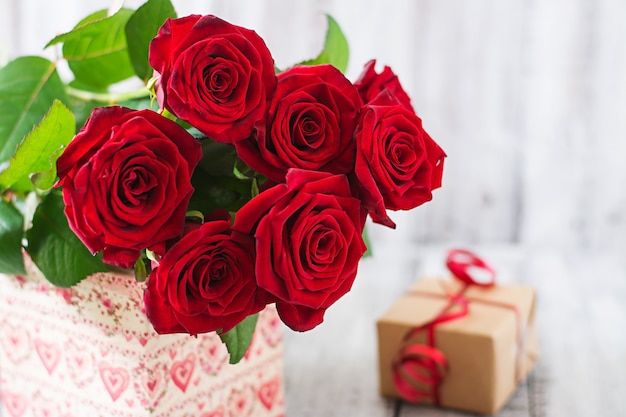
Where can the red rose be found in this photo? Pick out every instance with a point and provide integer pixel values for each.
(310, 124)
(397, 163)
(308, 243)
(370, 84)
(205, 282)
(126, 181)
(214, 75)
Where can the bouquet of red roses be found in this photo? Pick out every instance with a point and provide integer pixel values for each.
(239, 186)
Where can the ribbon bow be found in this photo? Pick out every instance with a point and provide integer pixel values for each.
(419, 369)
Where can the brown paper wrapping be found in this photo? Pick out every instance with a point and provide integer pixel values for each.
(481, 348)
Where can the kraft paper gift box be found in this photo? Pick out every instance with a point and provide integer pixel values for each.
(488, 351)
(90, 351)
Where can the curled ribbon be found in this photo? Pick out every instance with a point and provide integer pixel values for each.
(419, 369)
(470, 269)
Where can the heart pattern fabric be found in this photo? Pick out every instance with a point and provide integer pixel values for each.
(89, 358)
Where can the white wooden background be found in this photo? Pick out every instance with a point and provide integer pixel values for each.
(528, 98)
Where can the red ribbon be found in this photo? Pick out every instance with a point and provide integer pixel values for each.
(419, 369)
(470, 269)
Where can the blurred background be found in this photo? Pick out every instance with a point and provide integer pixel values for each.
(528, 99)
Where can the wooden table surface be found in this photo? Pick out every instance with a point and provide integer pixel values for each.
(581, 318)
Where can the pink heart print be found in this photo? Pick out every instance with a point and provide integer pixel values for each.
(152, 383)
(182, 370)
(115, 379)
(268, 391)
(79, 363)
(16, 342)
(49, 353)
(240, 402)
(15, 403)
(214, 355)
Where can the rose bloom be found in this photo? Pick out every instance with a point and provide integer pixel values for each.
(126, 180)
(214, 75)
(308, 243)
(397, 163)
(370, 84)
(310, 124)
(205, 282)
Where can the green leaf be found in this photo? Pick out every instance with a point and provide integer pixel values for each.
(214, 179)
(141, 103)
(38, 152)
(366, 239)
(254, 191)
(83, 100)
(141, 271)
(212, 192)
(55, 249)
(195, 215)
(11, 232)
(238, 339)
(28, 86)
(96, 49)
(218, 158)
(336, 51)
(142, 26)
(45, 180)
